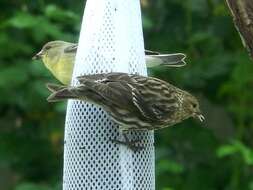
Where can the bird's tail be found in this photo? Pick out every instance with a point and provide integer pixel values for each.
(60, 92)
(169, 60)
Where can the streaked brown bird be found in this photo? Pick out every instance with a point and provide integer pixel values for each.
(59, 58)
(134, 102)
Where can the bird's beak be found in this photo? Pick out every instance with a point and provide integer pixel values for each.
(38, 56)
(199, 116)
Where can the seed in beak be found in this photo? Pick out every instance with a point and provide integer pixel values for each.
(201, 118)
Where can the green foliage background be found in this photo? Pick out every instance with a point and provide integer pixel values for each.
(188, 156)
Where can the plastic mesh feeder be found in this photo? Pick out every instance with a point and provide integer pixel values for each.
(111, 39)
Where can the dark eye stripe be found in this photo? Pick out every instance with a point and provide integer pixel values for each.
(47, 47)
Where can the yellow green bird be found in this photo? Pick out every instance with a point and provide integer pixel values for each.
(59, 58)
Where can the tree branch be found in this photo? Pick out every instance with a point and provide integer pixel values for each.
(242, 12)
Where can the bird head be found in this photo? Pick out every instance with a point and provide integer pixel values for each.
(191, 107)
(51, 51)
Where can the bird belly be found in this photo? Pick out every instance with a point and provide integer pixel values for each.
(64, 72)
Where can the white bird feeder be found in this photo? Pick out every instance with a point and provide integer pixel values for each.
(111, 39)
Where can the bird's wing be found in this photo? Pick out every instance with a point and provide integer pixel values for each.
(54, 87)
(151, 100)
(118, 89)
(105, 77)
(132, 91)
(71, 49)
(148, 109)
(114, 93)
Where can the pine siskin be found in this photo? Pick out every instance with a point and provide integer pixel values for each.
(134, 102)
(59, 58)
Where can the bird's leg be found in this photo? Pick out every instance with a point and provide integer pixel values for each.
(130, 144)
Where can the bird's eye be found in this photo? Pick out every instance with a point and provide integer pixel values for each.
(47, 47)
(194, 105)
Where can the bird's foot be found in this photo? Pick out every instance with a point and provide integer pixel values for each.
(130, 144)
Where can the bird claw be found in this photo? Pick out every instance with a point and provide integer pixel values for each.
(130, 144)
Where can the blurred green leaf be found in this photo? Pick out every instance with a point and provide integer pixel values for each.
(12, 76)
(167, 188)
(169, 166)
(251, 185)
(32, 186)
(226, 150)
(237, 147)
(55, 12)
(23, 20)
(147, 22)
